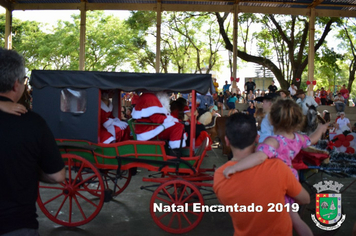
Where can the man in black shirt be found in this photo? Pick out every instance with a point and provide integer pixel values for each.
(28, 154)
(249, 85)
(272, 88)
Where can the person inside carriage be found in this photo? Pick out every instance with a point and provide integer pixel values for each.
(154, 108)
(180, 110)
(112, 129)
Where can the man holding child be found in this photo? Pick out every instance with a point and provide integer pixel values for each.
(261, 185)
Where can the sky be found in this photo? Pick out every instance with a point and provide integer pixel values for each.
(50, 18)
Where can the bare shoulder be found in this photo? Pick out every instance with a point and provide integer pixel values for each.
(271, 142)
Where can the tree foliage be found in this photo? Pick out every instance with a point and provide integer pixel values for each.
(190, 41)
(283, 37)
(347, 34)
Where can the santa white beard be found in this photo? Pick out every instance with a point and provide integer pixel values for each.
(164, 99)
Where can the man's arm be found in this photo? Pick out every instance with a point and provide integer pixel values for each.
(57, 177)
(294, 188)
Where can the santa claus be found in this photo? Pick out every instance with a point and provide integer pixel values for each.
(154, 108)
(112, 129)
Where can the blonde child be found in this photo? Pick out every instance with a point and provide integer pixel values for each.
(286, 117)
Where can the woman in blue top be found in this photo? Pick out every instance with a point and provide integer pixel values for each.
(251, 109)
(231, 103)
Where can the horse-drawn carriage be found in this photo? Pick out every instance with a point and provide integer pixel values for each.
(70, 103)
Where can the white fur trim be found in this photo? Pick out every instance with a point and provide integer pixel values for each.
(168, 122)
(147, 112)
(150, 134)
(109, 140)
(176, 144)
(105, 108)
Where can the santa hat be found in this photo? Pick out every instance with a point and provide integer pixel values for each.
(147, 105)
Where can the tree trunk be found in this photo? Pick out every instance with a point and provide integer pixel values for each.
(298, 64)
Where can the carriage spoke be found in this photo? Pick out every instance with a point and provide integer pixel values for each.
(91, 191)
(186, 218)
(70, 172)
(106, 182)
(168, 194)
(187, 198)
(60, 207)
(163, 200)
(162, 216)
(51, 187)
(80, 170)
(182, 194)
(70, 210)
(52, 199)
(80, 208)
(171, 220)
(175, 191)
(179, 221)
(85, 180)
(86, 199)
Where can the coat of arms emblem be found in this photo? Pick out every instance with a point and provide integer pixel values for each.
(328, 214)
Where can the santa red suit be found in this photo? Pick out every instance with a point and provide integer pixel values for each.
(152, 108)
(112, 129)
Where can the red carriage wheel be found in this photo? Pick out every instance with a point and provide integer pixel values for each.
(71, 203)
(182, 194)
(109, 177)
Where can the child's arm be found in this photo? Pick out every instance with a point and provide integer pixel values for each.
(248, 162)
(12, 108)
(320, 130)
(253, 159)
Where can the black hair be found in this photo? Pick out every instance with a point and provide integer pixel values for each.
(179, 106)
(241, 130)
(182, 101)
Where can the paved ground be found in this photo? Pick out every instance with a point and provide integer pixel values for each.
(129, 214)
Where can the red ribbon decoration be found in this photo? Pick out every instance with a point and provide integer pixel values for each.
(313, 82)
(236, 79)
(331, 145)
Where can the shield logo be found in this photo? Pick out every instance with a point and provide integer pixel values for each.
(328, 208)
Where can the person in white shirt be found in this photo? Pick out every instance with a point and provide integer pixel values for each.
(339, 102)
(303, 100)
(342, 124)
(292, 90)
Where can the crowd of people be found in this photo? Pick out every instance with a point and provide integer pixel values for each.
(34, 156)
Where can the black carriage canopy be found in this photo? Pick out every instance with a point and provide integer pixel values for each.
(125, 81)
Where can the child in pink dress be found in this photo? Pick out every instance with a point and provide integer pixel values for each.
(286, 117)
